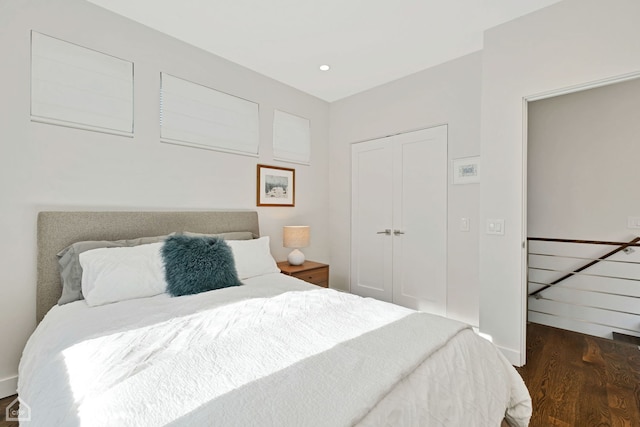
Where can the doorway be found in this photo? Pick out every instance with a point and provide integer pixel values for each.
(581, 147)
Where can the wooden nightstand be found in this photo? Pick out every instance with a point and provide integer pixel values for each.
(312, 272)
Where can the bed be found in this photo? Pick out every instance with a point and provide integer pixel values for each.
(274, 351)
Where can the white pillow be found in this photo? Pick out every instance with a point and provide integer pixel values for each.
(118, 274)
(253, 257)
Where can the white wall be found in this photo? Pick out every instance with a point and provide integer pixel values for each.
(446, 94)
(570, 43)
(583, 156)
(50, 167)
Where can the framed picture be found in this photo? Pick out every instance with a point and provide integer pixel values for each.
(466, 170)
(276, 186)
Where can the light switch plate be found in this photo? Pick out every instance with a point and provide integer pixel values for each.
(465, 224)
(633, 222)
(495, 226)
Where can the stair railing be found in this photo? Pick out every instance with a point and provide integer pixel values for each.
(621, 247)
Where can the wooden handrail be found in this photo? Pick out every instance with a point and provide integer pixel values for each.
(593, 242)
(622, 246)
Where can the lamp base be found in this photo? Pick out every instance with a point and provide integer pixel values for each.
(296, 257)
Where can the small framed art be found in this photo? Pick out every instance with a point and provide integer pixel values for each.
(466, 170)
(276, 186)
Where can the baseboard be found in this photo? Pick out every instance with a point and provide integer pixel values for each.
(512, 356)
(8, 386)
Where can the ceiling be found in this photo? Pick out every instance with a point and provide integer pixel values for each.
(366, 42)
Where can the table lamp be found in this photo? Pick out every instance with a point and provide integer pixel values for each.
(296, 236)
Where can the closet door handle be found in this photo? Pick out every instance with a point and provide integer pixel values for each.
(386, 231)
(398, 232)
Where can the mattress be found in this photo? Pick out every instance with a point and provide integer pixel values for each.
(273, 352)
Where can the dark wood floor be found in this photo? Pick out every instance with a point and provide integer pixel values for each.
(578, 380)
(575, 380)
(3, 410)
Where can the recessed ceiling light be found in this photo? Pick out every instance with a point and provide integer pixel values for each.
(324, 67)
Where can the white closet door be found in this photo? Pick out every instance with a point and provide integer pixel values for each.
(399, 184)
(371, 215)
(420, 220)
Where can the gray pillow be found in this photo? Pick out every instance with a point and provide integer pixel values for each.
(232, 235)
(71, 271)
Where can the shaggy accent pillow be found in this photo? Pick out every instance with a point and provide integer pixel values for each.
(198, 264)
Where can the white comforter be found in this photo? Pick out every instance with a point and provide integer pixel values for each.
(275, 352)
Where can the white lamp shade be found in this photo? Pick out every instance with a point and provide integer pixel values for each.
(296, 236)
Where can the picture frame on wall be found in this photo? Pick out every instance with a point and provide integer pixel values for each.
(276, 186)
(466, 170)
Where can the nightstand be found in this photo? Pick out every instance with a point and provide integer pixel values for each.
(312, 272)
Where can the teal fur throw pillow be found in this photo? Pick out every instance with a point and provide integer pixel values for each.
(198, 264)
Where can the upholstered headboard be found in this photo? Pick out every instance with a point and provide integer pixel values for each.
(57, 230)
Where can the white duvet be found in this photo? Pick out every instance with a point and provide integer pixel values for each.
(275, 352)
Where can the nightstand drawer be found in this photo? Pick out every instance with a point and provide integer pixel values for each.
(319, 276)
(311, 271)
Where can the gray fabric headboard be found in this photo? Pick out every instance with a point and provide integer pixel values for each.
(57, 230)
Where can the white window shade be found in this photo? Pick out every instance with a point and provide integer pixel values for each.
(79, 87)
(198, 116)
(291, 138)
